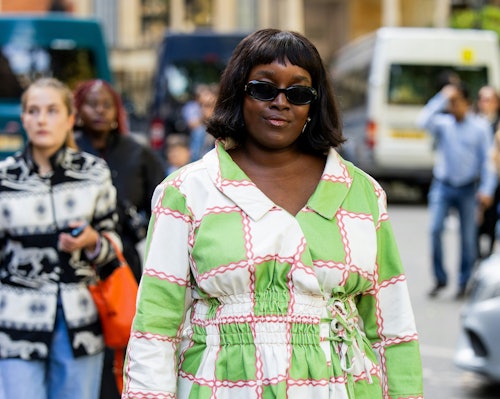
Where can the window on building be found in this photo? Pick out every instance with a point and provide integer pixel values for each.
(154, 19)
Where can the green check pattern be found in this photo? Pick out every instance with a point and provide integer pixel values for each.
(240, 299)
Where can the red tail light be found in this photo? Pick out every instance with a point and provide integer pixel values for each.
(371, 132)
(157, 134)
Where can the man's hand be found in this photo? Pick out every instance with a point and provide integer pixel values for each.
(485, 201)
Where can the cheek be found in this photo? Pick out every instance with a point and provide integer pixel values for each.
(87, 112)
(302, 113)
(29, 124)
(64, 126)
(112, 114)
(250, 109)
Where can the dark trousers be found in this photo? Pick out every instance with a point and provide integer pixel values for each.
(108, 384)
(487, 227)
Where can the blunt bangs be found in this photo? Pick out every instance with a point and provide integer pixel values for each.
(282, 46)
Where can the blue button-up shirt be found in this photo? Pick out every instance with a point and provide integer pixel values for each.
(463, 148)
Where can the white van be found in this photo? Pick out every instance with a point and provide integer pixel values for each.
(384, 79)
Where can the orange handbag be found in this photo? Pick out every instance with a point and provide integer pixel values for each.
(115, 299)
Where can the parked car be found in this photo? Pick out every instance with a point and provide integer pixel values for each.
(184, 61)
(478, 350)
(31, 46)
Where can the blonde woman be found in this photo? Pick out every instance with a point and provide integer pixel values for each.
(55, 202)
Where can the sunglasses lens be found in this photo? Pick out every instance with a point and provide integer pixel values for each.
(299, 95)
(262, 91)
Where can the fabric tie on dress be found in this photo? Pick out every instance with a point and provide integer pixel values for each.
(347, 335)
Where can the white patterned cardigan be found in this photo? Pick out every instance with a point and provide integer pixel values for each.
(34, 275)
(276, 306)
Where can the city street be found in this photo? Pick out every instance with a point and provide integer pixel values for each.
(437, 319)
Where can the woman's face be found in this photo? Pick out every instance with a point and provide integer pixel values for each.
(275, 124)
(46, 119)
(98, 112)
(487, 101)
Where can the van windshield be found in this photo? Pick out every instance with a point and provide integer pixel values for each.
(19, 67)
(184, 76)
(416, 84)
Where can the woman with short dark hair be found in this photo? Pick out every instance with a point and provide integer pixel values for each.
(272, 269)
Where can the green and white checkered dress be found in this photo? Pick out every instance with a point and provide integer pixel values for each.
(242, 300)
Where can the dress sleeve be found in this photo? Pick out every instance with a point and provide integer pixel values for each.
(151, 367)
(388, 318)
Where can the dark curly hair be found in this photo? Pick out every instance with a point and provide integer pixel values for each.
(264, 47)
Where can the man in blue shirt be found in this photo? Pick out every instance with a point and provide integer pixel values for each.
(464, 176)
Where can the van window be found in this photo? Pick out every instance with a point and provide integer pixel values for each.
(409, 84)
(183, 76)
(32, 46)
(19, 67)
(352, 89)
(185, 60)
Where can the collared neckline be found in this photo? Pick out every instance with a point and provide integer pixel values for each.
(232, 181)
(55, 160)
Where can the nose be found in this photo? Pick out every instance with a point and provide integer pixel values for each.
(100, 108)
(281, 101)
(42, 117)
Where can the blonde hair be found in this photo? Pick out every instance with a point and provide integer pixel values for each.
(66, 95)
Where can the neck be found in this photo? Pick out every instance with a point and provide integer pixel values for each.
(42, 158)
(268, 158)
(99, 140)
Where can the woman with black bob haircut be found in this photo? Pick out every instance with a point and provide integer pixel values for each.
(271, 269)
(263, 47)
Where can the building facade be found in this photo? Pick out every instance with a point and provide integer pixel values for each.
(134, 28)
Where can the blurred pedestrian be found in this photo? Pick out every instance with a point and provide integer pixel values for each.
(463, 176)
(101, 129)
(177, 152)
(279, 252)
(488, 105)
(196, 114)
(56, 202)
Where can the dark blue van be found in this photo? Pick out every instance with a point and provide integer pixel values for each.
(184, 61)
(31, 46)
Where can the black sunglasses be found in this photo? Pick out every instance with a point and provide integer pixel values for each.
(264, 91)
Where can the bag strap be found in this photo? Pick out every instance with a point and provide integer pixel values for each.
(116, 248)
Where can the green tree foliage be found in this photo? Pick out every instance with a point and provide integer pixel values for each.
(487, 17)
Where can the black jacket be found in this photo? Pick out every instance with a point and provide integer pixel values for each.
(136, 171)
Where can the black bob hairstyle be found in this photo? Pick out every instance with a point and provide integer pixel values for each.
(264, 47)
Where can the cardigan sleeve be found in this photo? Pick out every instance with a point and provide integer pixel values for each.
(151, 367)
(105, 216)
